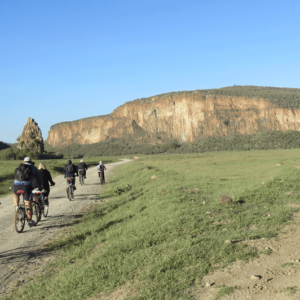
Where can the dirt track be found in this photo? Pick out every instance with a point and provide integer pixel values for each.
(20, 254)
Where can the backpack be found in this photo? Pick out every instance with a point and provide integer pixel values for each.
(101, 167)
(70, 169)
(23, 172)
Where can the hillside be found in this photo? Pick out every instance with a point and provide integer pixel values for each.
(3, 146)
(187, 116)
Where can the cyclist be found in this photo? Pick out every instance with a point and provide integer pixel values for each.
(82, 167)
(46, 178)
(70, 173)
(24, 176)
(101, 168)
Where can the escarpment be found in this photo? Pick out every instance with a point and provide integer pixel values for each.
(185, 116)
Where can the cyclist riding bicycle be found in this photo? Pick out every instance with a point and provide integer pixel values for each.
(46, 178)
(101, 168)
(24, 176)
(82, 167)
(70, 173)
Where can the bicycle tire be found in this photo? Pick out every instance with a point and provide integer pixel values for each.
(19, 220)
(70, 193)
(45, 211)
(35, 212)
(41, 209)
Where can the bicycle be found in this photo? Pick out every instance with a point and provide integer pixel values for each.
(101, 177)
(81, 176)
(20, 214)
(70, 190)
(40, 200)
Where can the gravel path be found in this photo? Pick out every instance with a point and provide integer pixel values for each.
(20, 254)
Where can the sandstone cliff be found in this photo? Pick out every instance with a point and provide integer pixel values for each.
(184, 116)
(31, 137)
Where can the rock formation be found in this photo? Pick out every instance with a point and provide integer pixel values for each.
(31, 137)
(184, 116)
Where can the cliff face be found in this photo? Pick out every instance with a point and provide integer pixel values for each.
(31, 137)
(181, 116)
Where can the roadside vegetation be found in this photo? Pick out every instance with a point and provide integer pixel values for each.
(162, 227)
(237, 142)
(55, 166)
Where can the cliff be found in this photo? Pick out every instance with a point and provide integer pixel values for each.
(31, 137)
(184, 116)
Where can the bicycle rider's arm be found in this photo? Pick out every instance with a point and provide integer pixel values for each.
(50, 178)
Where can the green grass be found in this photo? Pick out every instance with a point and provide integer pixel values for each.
(158, 239)
(224, 290)
(290, 291)
(286, 265)
(55, 166)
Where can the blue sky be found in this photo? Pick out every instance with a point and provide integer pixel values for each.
(63, 60)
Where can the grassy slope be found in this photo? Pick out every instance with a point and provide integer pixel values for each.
(55, 166)
(160, 238)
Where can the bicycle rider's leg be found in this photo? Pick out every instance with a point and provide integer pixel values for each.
(15, 199)
(27, 196)
(46, 198)
(67, 187)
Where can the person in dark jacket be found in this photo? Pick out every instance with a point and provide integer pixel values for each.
(46, 178)
(82, 167)
(71, 172)
(26, 186)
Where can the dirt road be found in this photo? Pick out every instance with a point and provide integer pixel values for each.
(20, 254)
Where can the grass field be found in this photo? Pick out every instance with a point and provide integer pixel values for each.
(55, 166)
(158, 239)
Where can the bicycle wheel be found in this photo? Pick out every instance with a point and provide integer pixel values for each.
(80, 179)
(69, 193)
(19, 220)
(36, 212)
(72, 193)
(45, 210)
(101, 179)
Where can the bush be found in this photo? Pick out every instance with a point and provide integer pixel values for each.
(119, 190)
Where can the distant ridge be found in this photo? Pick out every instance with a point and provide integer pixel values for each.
(187, 116)
(4, 145)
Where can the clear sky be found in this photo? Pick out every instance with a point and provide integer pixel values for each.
(62, 60)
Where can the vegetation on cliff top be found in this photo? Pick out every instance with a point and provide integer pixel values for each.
(280, 97)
